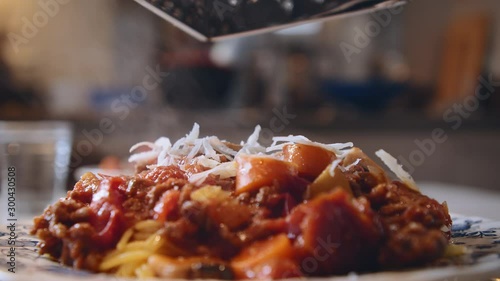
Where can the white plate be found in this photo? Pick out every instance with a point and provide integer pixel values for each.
(481, 236)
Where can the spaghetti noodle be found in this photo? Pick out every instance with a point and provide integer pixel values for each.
(136, 245)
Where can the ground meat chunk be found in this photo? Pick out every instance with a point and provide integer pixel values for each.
(96, 211)
(412, 245)
(52, 226)
(361, 180)
(161, 174)
(412, 223)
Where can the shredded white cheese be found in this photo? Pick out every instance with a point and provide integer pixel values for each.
(334, 147)
(141, 144)
(224, 171)
(397, 169)
(352, 164)
(334, 165)
(215, 155)
(206, 162)
(210, 151)
(252, 145)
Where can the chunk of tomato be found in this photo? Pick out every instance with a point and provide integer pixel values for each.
(107, 212)
(255, 172)
(110, 224)
(167, 204)
(339, 232)
(310, 160)
(252, 261)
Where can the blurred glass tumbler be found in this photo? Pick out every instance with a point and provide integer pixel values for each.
(38, 153)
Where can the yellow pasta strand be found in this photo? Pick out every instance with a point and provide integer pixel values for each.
(125, 238)
(136, 245)
(129, 259)
(147, 224)
(142, 236)
(128, 269)
(122, 258)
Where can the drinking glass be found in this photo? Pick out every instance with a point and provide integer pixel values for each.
(34, 160)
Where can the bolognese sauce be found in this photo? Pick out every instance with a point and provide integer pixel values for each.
(207, 208)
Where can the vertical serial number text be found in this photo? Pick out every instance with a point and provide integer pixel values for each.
(11, 218)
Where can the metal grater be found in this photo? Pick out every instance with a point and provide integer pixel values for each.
(213, 20)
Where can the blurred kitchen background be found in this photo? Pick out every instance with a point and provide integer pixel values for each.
(120, 74)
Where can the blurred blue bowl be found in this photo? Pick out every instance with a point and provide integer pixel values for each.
(372, 95)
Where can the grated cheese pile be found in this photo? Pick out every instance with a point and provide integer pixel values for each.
(218, 158)
(209, 152)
